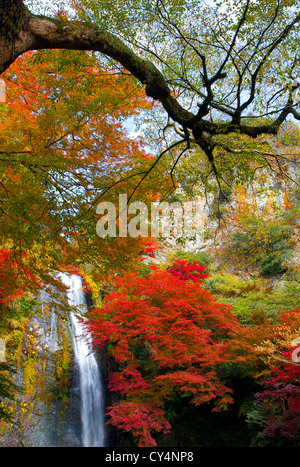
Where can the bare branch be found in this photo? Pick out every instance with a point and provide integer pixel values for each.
(269, 52)
(239, 26)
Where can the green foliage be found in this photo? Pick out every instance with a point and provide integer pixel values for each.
(286, 295)
(246, 296)
(262, 241)
(202, 257)
(252, 299)
(26, 305)
(260, 238)
(228, 284)
(289, 134)
(253, 305)
(7, 391)
(272, 266)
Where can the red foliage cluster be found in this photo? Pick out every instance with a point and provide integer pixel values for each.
(167, 335)
(186, 271)
(140, 419)
(9, 287)
(150, 248)
(281, 401)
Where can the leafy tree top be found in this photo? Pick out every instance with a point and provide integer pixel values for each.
(209, 66)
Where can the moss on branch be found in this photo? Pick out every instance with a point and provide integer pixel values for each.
(13, 16)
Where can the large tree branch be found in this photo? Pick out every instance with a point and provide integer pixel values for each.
(47, 33)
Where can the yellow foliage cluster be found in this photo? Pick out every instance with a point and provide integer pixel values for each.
(271, 350)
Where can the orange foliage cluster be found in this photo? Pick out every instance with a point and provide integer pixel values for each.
(12, 286)
(63, 148)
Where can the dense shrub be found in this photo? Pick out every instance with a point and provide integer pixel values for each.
(261, 240)
(168, 336)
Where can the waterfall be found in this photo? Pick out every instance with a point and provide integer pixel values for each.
(92, 411)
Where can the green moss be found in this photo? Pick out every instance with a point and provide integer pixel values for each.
(15, 339)
(62, 370)
(14, 15)
(30, 375)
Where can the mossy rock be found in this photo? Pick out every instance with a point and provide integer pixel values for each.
(15, 339)
(13, 16)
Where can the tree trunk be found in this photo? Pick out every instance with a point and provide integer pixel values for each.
(13, 16)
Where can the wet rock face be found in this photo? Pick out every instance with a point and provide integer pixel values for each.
(43, 417)
(47, 405)
(55, 428)
(61, 402)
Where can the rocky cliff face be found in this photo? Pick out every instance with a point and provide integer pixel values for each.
(46, 410)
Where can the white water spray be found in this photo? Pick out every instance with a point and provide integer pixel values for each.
(92, 411)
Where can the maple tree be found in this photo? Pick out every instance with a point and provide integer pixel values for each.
(278, 404)
(209, 67)
(62, 144)
(63, 147)
(266, 347)
(167, 336)
(11, 286)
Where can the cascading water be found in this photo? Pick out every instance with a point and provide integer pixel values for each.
(92, 414)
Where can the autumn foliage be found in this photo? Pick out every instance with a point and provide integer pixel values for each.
(273, 354)
(279, 402)
(8, 288)
(186, 271)
(168, 336)
(62, 146)
(14, 275)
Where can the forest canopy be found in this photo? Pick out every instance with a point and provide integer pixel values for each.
(161, 100)
(209, 65)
